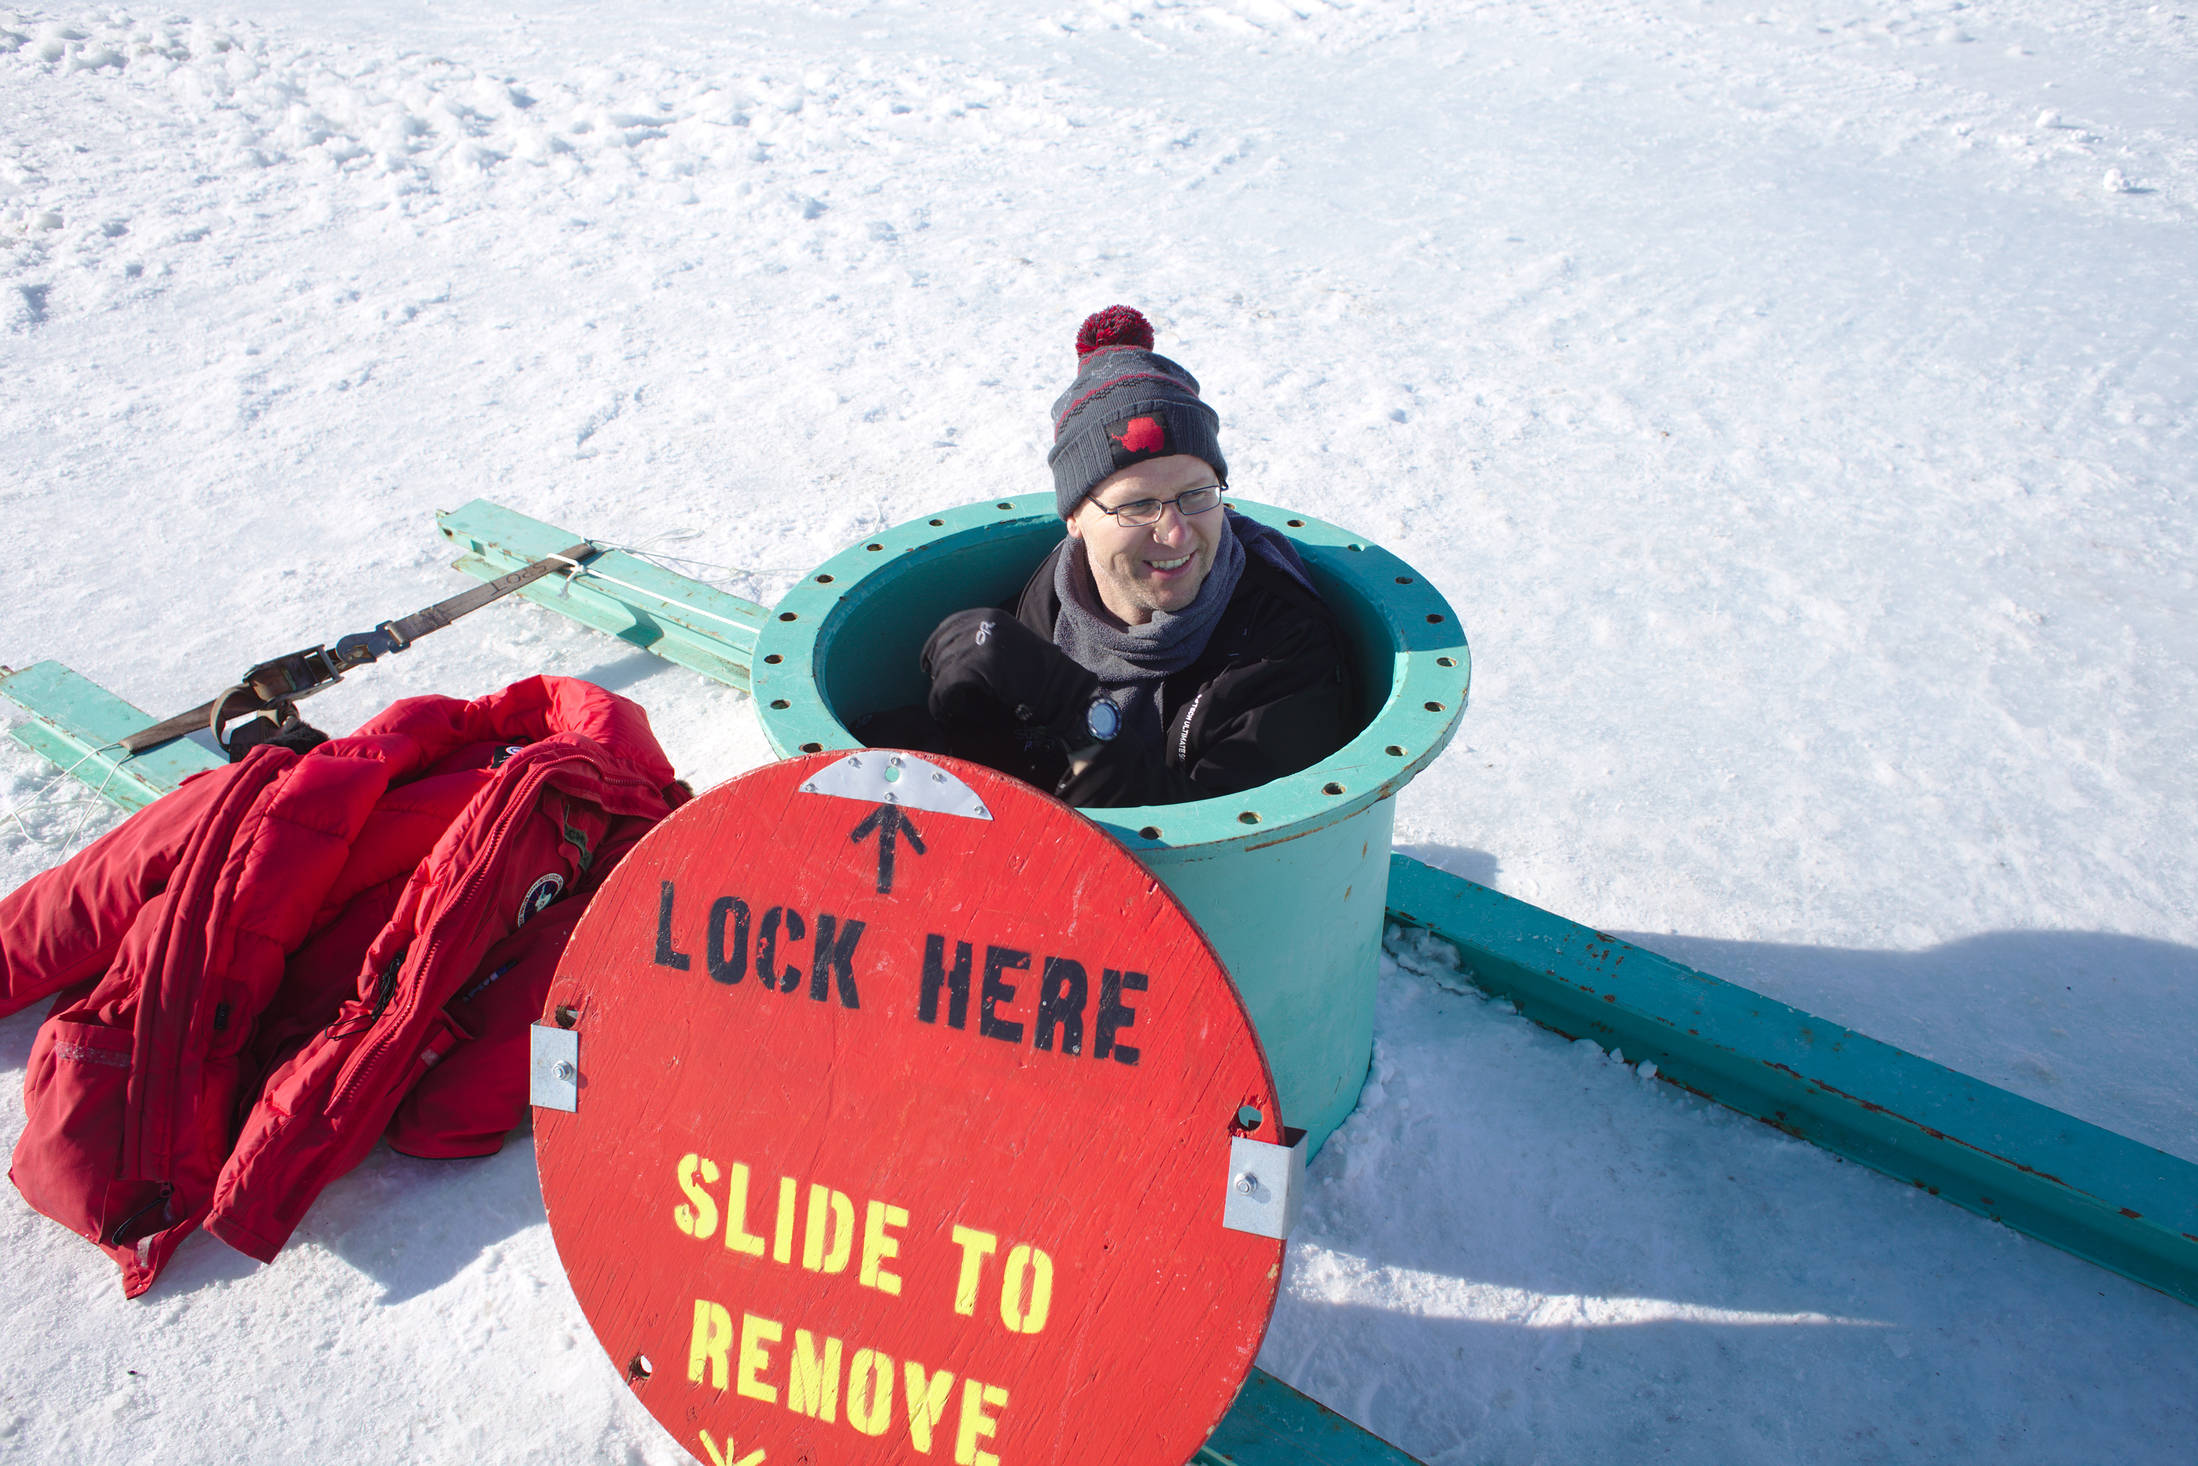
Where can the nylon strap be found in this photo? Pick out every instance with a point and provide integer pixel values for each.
(273, 685)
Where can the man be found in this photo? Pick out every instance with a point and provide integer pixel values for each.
(1169, 649)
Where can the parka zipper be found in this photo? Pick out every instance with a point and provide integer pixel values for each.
(366, 1062)
(160, 1051)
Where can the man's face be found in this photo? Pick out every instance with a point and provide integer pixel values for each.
(1153, 567)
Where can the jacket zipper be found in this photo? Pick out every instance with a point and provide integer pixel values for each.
(368, 1061)
(150, 1120)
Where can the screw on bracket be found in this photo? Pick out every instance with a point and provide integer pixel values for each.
(553, 1063)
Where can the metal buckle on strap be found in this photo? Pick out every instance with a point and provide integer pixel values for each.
(361, 647)
(272, 688)
(299, 674)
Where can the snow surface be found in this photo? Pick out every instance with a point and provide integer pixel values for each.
(1795, 401)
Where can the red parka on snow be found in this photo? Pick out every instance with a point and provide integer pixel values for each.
(263, 972)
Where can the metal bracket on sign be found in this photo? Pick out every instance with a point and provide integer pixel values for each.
(881, 776)
(1266, 1185)
(553, 1068)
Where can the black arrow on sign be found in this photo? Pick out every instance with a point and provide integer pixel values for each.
(890, 823)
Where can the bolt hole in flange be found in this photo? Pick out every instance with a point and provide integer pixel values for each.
(1248, 817)
(773, 660)
(812, 748)
(937, 523)
(780, 702)
(1434, 707)
(638, 1369)
(1149, 832)
(824, 580)
(567, 1016)
(793, 616)
(1394, 750)
(1331, 788)
(1248, 1117)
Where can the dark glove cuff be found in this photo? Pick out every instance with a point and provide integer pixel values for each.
(987, 656)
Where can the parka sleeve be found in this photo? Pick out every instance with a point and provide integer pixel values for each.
(64, 925)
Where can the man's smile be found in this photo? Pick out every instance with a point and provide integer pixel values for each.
(1141, 569)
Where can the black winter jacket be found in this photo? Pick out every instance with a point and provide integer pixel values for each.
(1270, 695)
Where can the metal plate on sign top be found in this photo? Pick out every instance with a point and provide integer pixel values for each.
(901, 1135)
(884, 776)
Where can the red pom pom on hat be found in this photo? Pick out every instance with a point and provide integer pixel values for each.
(1117, 325)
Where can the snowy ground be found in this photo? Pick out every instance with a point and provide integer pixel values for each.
(1796, 403)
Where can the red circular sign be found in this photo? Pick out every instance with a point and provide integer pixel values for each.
(902, 1130)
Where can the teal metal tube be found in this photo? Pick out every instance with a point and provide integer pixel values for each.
(1285, 880)
(1297, 920)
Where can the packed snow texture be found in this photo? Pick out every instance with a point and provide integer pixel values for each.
(1796, 403)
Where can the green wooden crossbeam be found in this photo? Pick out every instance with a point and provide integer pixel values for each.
(681, 620)
(2102, 1196)
(79, 726)
(1273, 1425)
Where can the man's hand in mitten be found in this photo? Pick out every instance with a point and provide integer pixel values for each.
(982, 660)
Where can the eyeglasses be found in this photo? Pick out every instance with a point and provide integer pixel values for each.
(1138, 513)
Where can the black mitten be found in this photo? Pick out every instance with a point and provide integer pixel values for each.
(985, 660)
(292, 732)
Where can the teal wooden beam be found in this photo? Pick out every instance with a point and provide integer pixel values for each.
(2088, 1191)
(644, 605)
(1273, 1425)
(79, 726)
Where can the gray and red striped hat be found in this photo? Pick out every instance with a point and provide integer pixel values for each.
(1128, 403)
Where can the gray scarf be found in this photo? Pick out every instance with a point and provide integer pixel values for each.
(1131, 662)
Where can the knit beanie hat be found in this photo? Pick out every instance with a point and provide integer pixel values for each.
(1128, 403)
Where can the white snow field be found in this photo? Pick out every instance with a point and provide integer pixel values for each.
(1794, 397)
